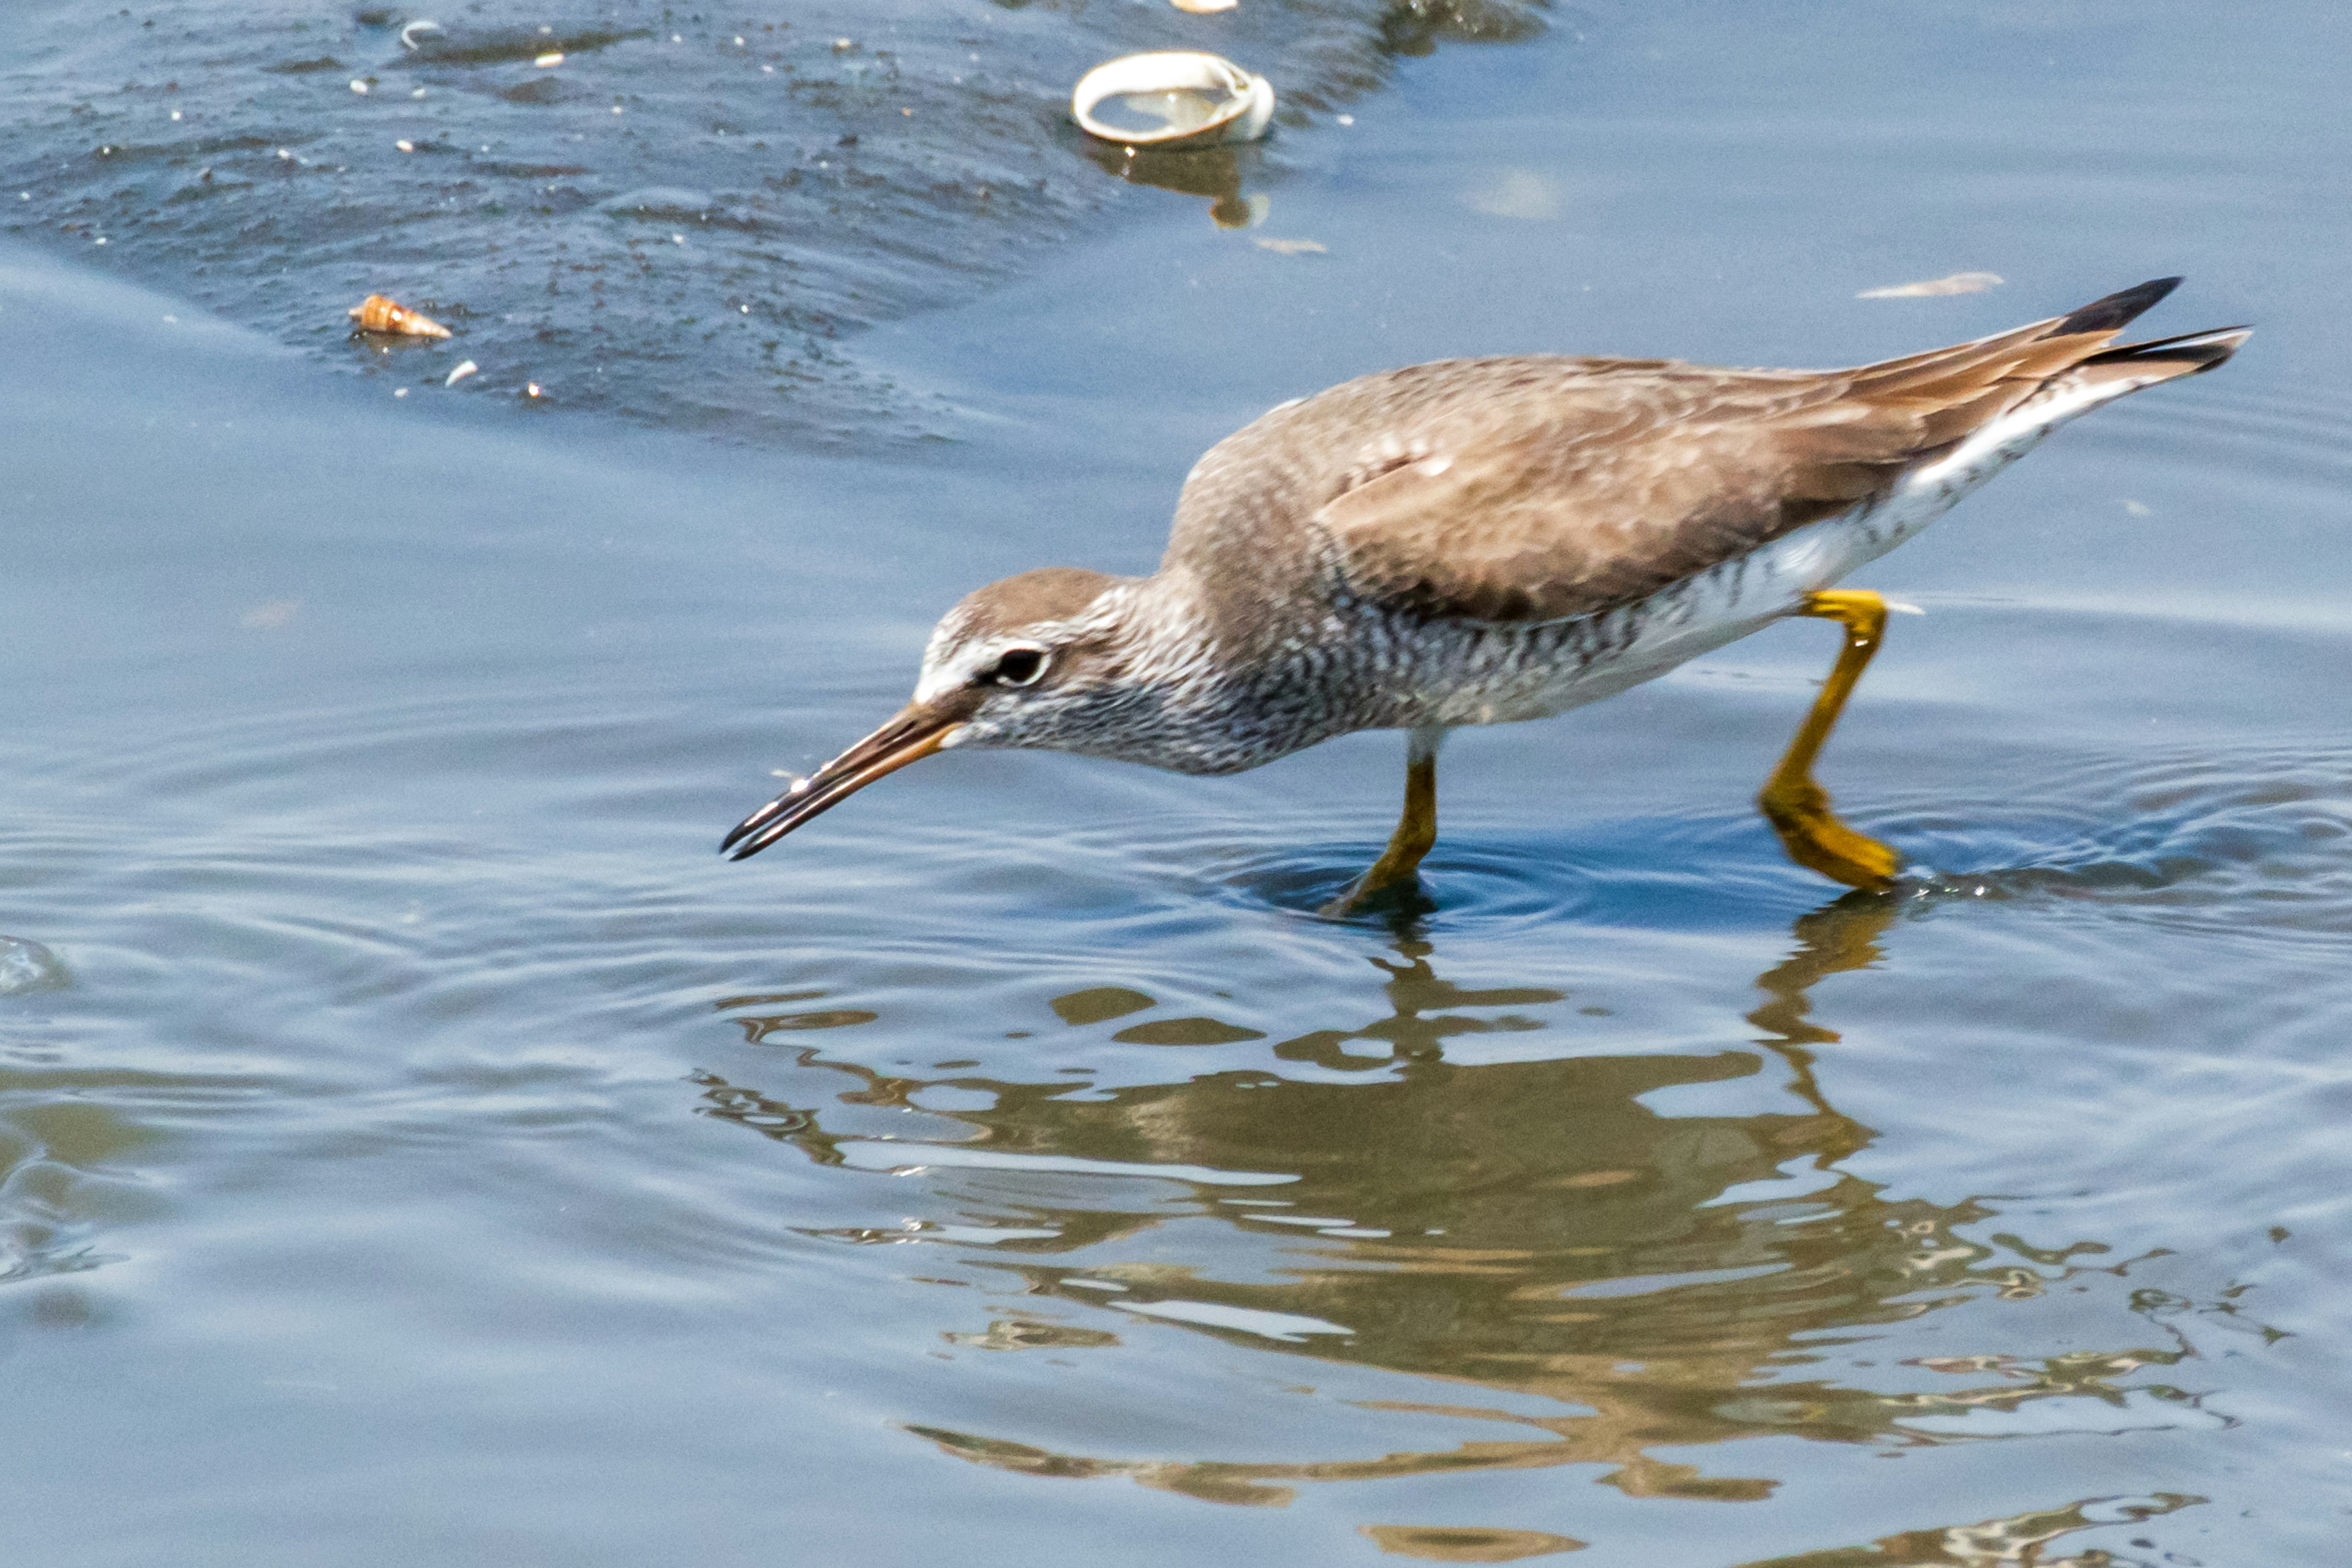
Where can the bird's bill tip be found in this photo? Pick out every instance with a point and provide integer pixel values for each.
(913, 734)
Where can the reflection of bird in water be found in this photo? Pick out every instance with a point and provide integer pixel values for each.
(1477, 542)
(1832, 940)
(1660, 1277)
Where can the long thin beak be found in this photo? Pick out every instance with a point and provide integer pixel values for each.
(915, 733)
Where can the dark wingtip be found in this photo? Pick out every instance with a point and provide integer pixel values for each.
(2116, 311)
(2197, 352)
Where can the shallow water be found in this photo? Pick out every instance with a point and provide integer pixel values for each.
(437, 1149)
(678, 215)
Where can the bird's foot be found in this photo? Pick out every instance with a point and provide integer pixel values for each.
(1813, 837)
(1392, 883)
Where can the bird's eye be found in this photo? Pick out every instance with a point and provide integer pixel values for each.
(1016, 667)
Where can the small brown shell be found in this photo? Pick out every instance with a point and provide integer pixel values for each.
(381, 313)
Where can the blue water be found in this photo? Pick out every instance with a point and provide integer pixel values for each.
(440, 1154)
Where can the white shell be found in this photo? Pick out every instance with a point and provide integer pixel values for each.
(1208, 101)
(1957, 283)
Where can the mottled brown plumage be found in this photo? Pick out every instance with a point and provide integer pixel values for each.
(1540, 488)
(1476, 542)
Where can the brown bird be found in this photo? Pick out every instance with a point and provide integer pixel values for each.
(1478, 542)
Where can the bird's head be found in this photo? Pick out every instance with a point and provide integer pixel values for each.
(1040, 661)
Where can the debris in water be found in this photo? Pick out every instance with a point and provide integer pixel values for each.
(412, 35)
(273, 616)
(27, 966)
(1173, 98)
(1294, 247)
(405, 145)
(554, 57)
(1521, 193)
(461, 373)
(1957, 283)
(357, 86)
(1204, 7)
(380, 313)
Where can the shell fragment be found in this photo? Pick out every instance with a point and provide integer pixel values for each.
(1935, 288)
(380, 313)
(1173, 98)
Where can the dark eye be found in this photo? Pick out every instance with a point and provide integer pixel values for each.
(1016, 667)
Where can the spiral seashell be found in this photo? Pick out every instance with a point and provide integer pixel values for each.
(381, 313)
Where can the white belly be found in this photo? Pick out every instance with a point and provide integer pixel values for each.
(1728, 601)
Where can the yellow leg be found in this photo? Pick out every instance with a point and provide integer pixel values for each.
(1416, 830)
(1797, 807)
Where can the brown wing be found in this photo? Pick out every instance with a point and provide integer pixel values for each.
(1616, 489)
(1540, 488)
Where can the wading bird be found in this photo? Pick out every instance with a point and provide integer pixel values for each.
(1480, 542)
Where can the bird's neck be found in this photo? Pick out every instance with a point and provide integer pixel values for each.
(1171, 634)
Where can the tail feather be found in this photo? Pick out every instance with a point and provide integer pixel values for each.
(2116, 311)
(2031, 353)
(1926, 406)
(1951, 393)
(2193, 352)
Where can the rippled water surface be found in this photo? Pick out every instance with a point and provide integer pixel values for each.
(417, 1145)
